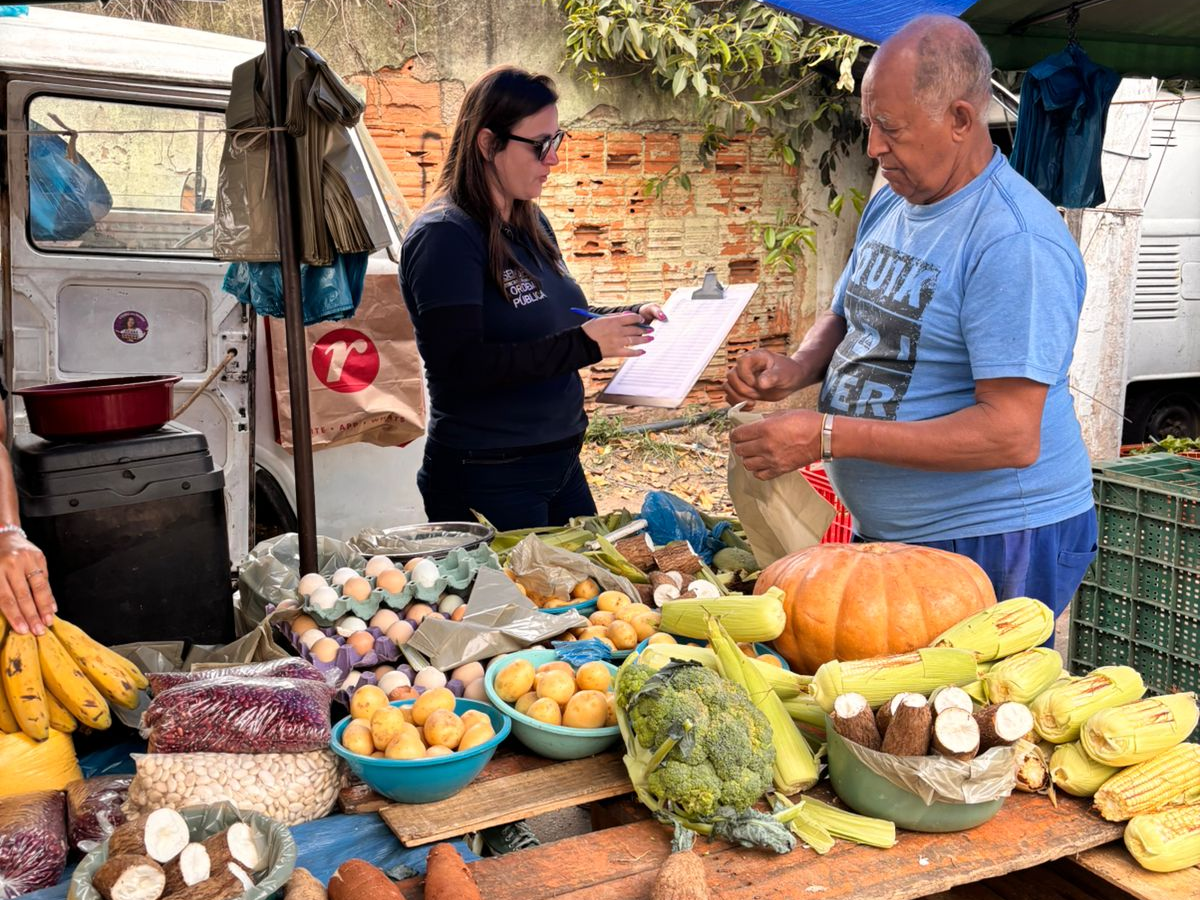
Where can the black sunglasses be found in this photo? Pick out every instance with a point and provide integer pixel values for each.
(542, 146)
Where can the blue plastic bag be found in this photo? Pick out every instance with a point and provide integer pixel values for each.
(65, 198)
(668, 518)
(329, 293)
(324, 844)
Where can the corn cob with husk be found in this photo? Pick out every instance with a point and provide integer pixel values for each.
(1165, 841)
(795, 767)
(1060, 711)
(1033, 773)
(1023, 676)
(1135, 732)
(785, 683)
(759, 617)
(882, 677)
(835, 822)
(1001, 630)
(1170, 779)
(806, 712)
(1076, 772)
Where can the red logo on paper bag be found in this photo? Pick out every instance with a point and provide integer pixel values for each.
(345, 360)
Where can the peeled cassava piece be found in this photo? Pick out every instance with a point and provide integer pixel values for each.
(852, 719)
(161, 835)
(1003, 724)
(951, 697)
(955, 734)
(190, 867)
(855, 601)
(883, 716)
(908, 733)
(227, 882)
(237, 844)
(129, 876)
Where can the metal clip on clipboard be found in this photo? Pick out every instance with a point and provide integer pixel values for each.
(711, 289)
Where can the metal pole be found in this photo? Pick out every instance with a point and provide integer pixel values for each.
(293, 325)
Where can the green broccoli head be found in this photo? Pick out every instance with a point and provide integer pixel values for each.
(715, 746)
(694, 790)
(631, 678)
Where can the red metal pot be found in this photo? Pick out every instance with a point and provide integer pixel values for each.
(99, 409)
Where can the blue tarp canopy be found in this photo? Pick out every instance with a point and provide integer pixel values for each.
(1134, 37)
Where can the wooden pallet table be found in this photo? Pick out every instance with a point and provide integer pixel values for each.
(1113, 863)
(621, 863)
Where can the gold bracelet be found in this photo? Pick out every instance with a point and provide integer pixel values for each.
(827, 437)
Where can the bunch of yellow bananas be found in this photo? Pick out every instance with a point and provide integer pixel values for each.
(60, 680)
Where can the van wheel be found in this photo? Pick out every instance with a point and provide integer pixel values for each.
(273, 514)
(1172, 410)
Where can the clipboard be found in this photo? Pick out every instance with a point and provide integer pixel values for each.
(683, 347)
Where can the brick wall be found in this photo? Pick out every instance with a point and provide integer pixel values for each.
(621, 245)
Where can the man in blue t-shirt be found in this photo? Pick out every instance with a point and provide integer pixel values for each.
(945, 417)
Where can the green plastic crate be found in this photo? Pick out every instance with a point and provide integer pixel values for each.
(1139, 604)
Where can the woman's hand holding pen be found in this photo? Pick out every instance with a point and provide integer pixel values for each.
(651, 312)
(620, 334)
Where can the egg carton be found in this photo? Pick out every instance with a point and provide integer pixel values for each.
(456, 571)
(347, 658)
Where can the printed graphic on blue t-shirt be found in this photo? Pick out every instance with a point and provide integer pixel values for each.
(889, 292)
(985, 284)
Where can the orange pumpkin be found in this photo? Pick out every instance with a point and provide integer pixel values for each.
(853, 601)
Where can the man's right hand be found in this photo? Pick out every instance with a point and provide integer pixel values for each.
(763, 375)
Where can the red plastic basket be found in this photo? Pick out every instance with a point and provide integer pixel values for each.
(841, 530)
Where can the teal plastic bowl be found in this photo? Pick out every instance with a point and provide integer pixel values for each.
(550, 741)
(583, 607)
(873, 795)
(761, 648)
(424, 780)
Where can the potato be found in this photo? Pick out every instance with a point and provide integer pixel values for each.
(607, 641)
(473, 717)
(556, 685)
(545, 710)
(404, 692)
(438, 698)
(468, 672)
(632, 611)
(770, 659)
(610, 718)
(747, 648)
(514, 679)
(407, 746)
(443, 727)
(593, 676)
(645, 625)
(611, 601)
(525, 701)
(366, 722)
(366, 700)
(357, 739)
(661, 637)
(623, 635)
(477, 734)
(585, 590)
(557, 665)
(587, 709)
(593, 631)
(438, 750)
(601, 617)
(386, 726)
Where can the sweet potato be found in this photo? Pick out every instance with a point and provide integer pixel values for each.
(303, 886)
(681, 878)
(447, 876)
(357, 879)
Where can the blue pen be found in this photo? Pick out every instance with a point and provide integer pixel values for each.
(588, 314)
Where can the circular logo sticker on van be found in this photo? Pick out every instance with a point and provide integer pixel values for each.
(131, 327)
(345, 360)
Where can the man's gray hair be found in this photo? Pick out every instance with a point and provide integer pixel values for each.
(952, 64)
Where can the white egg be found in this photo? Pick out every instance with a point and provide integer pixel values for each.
(475, 691)
(349, 624)
(289, 603)
(425, 573)
(311, 636)
(377, 564)
(351, 681)
(323, 598)
(384, 619)
(449, 604)
(341, 576)
(310, 583)
(393, 680)
(429, 678)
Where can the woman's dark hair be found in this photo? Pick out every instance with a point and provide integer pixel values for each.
(497, 101)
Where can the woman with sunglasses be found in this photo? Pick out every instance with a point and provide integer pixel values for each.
(491, 302)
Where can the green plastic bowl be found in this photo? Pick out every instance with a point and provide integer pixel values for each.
(424, 780)
(551, 741)
(873, 795)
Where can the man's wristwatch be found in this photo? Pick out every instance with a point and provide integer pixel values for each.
(827, 437)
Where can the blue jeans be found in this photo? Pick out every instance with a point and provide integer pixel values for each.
(1046, 563)
(524, 489)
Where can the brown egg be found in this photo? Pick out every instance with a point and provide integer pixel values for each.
(392, 581)
(357, 588)
(303, 623)
(325, 650)
(362, 642)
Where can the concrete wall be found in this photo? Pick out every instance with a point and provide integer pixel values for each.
(622, 246)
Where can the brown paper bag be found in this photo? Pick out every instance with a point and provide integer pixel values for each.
(364, 374)
(779, 516)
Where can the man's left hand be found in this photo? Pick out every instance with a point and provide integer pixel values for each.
(778, 444)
